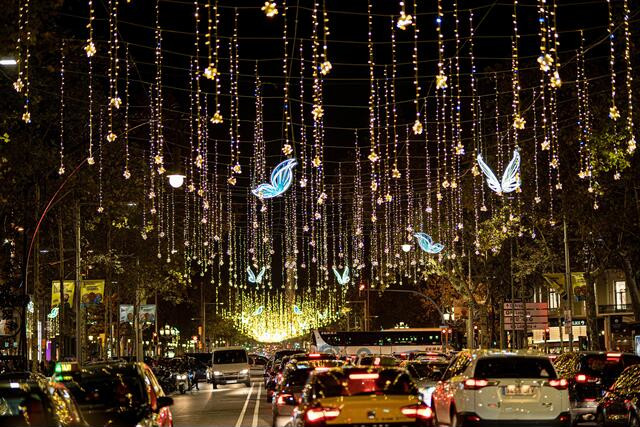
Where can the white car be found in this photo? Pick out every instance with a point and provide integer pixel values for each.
(487, 388)
(229, 365)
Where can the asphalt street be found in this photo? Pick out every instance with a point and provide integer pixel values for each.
(228, 406)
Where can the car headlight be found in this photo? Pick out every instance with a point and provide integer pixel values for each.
(181, 377)
(217, 373)
(244, 371)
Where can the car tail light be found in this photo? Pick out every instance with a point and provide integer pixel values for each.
(316, 415)
(421, 411)
(314, 355)
(475, 384)
(283, 399)
(613, 357)
(582, 378)
(560, 384)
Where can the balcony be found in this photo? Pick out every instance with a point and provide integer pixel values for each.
(615, 309)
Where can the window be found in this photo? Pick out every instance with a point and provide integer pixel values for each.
(620, 295)
(554, 300)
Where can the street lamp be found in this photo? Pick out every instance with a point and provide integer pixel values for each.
(406, 247)
(176, 180)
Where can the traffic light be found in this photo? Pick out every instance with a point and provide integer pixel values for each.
(547, 334)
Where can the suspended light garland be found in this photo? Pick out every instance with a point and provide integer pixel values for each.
(631, 139)
(61, 151)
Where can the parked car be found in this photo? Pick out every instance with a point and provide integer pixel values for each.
(590, 375)
(28, 399)
(620, 406)
(119, 394)
(361, 396)
(229, 365)
(499, 388)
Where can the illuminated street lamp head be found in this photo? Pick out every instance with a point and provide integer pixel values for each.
(406, 247)
(8, 62)
(176, 180)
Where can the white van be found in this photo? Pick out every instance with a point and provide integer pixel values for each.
(229, 365)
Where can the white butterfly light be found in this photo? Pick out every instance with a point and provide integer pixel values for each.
(256, 279)
(281, 178)
(426, 243)
(258, 311)
(510, 177)
(343, 278)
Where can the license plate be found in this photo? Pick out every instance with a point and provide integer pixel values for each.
(232, 381)
(524, 390)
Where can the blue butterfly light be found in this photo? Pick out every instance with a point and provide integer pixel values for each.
(256, 279)
(510, 178)
(297, 310)
(258, 311)
(343, 278)
(281, 179)
(426, 243)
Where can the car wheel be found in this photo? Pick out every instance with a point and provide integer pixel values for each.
(214, 385)
(633, 420)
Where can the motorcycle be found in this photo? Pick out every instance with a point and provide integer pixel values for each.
(182, 382)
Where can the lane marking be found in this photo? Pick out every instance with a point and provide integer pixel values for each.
(244, 408)
(257, 408)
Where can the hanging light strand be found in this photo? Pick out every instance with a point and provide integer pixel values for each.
(61, 151)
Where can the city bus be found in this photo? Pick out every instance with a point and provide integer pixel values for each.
(390, 341)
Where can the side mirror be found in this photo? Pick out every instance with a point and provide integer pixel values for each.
(164, 401)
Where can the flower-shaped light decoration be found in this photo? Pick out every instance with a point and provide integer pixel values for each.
(90, 48)
(287, 149)
(317, 112)
(395, 173)
(26, 117)
(316, 162)
(417, 127)
(91, 160)
(237, 168)
(115, 102)
(126, 174)
(210, 72)
(373, 157)
(556, 81)
(216, 119)
(18, 85)
(631, 145)
(614, 114)
(404, 20)
(270, 9)
(157, 159)
(325, 68)
(111, 137)
(518, 122)
(545, 62)
(441, 81)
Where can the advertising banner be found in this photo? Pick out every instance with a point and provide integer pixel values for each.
(69, 290)
(91, 292)
(147, 313)
(126, 313)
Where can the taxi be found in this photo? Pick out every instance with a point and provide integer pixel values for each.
(361, 396)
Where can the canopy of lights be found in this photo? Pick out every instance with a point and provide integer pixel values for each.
(336, 158)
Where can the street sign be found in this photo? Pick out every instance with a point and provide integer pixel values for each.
(534, 314)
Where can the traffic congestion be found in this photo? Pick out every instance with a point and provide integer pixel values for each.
(310, 388)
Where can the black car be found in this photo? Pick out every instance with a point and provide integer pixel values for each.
(119, 394)
(590, 374)
(28, 399)
(620, 406)
(273, 368)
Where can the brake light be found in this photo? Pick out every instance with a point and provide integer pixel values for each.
(560, 384)
(581, 378)
(417, 411)
(364, 376)
(613, 357)
(282, 399)
(376, 361)
(314, 355)
(614, 354)
(315, 415)
(475, 384)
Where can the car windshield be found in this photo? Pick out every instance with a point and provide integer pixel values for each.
(361, 382)
(296, 377)
(514, 367)
(377, 360)
(112, 387)
(20, 407)
(224, 357)
(432, 371)
(605, 366)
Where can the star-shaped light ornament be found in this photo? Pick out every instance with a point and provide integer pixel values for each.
(216, 119)
(374, 185)
(158, 159)
(614, 114)
(112, 137)
(417, 127)
(26, 117)
(441, 81)
(373, 157)
(199, 161)
(518, 122)
(90, 48)
(404, 21)
(631, 145)
(100, 209)
(395, 173)
(545, 62)
(325, 68)
(459, 149)
(232, 180)
(91, 160)
(316, 162)
(475, 170)
(191, 188)
(317, 112)
(545, 145)
(237, 168)
(270, 9)
(61, 170)
(210, 72)
(303, 183)
(126, 174)
(388, 198)
(161, 170)
(18, 85)
(287, 149)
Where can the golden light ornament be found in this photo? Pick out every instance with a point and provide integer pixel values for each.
(216, 119)
(232, 180)
(404, 20)
(26, 117)
(631, 145)
(90, 48)
(417, 127)
(157, 159)
(441, 81)
(210, 72)
(373, 157)
(545, 61)
(519, 122)
(316, 162)
(270, 9)
(317, 112)
(18, 85)
(237, 168)
(555, 80)
(115, 102)
(325, 68)
(91, 160)
(395, 173)
(287, 149)
(614, 114)
(126, 174)
(111, 137)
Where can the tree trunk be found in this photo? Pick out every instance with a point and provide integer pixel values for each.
(632, 283)
(590, 304)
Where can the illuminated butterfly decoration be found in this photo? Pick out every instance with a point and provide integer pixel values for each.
(510, 177)
(281, 178)
(256, 279)
(296, 310)
(258, 311)
(426, 243)
(343, 278)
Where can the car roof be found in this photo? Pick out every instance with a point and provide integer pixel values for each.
(237, 347)
(482, 353)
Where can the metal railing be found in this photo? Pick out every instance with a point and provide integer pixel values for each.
(615, 308)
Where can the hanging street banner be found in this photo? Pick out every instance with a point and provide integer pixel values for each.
(69, 290)
(147, 313)
(126, 313)
(91, 292)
